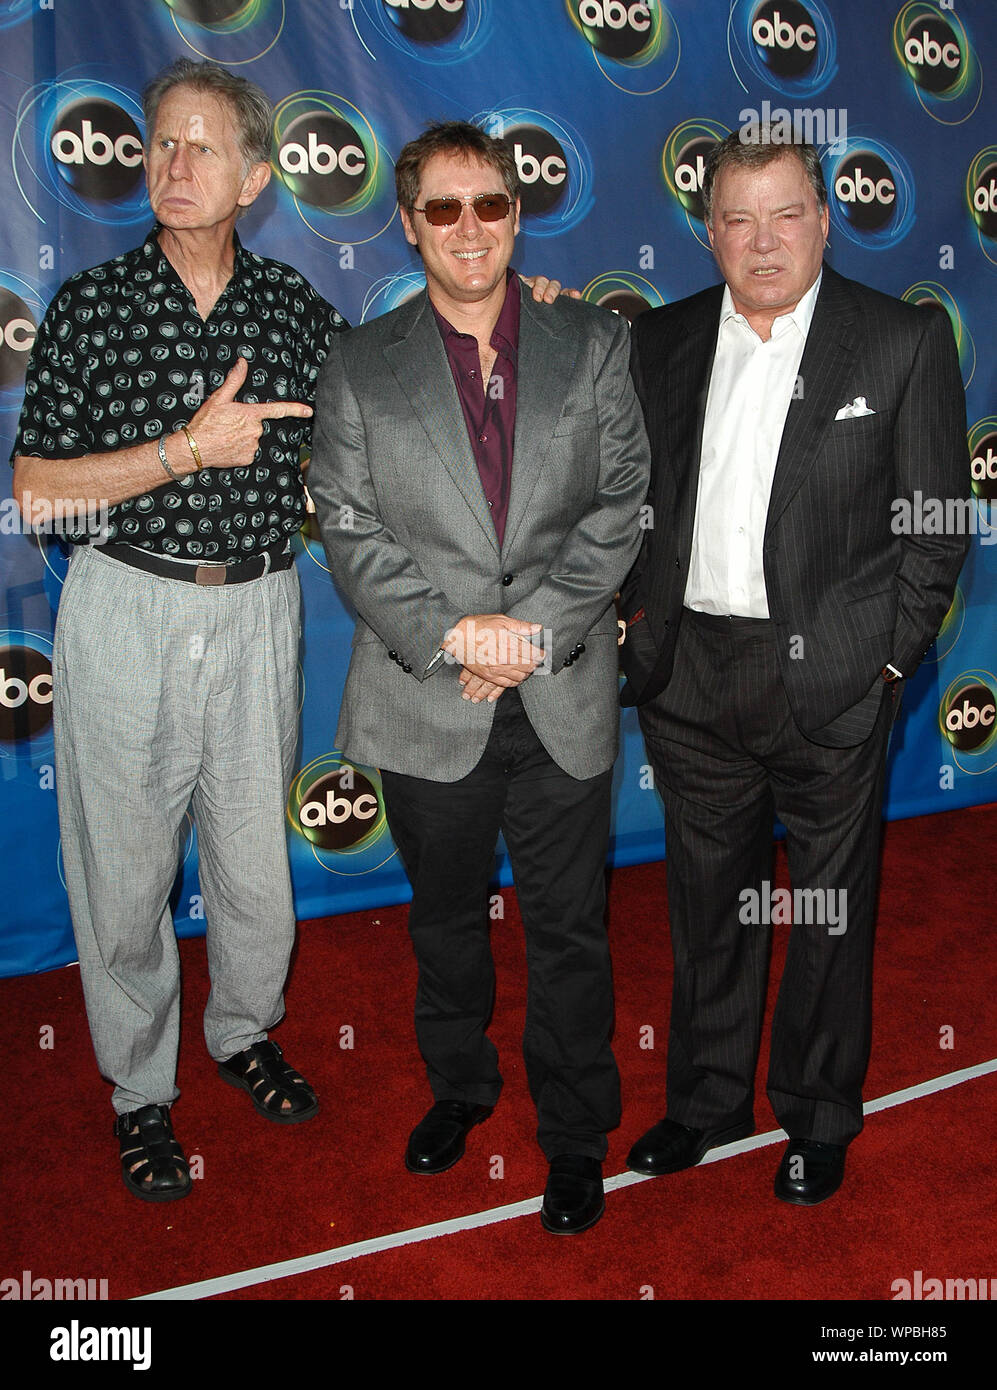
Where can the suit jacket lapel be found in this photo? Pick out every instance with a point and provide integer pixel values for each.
(686, 387)
(418, 360)
(828, 357)
(545, 365)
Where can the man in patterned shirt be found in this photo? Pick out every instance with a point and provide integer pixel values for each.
(174, 385)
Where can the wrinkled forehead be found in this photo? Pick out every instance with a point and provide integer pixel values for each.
(186, 111)
(778, 183)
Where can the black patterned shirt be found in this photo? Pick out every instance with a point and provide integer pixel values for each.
(123, 357)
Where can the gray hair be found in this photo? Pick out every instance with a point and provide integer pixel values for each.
(250, 104)
(761, 149)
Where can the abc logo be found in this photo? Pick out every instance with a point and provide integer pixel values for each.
(625, 302)
(865, 187)
(931, 54)
(985, 201)
(25, 693)
(969, 718)
(322, 159)
(17, 334)
(542, 166)
(341, 809)
(98, 149)
(983, 469)
(207, 12)
(619, 30)
(426, 21)
(784, 31)
(690, 165)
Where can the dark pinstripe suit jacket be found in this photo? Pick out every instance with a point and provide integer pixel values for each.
(838, 576)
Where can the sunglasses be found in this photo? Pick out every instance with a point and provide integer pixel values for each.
(444, 212)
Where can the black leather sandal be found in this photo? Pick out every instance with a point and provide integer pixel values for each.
(162, 1174)
(262, 1071)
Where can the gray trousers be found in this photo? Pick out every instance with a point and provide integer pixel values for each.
(169, 694)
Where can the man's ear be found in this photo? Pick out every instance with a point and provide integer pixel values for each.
(254, 183)
(407, 226)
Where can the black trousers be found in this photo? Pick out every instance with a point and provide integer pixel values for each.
(556, 829)
(728, 756)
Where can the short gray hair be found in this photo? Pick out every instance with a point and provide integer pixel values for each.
(250, 103)
(762, 149)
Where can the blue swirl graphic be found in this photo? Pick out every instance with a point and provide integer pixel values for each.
(745, 54)
(385, 19)
(35, 165)
(880, 238)
(578, 198)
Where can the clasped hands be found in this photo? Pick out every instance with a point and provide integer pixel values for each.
(495, 653)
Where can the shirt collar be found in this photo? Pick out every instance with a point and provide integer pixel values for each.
(802, 315)
(506, 329)
(152, 251)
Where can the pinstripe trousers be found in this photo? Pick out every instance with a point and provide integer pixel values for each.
(168, 695)
(728, 757)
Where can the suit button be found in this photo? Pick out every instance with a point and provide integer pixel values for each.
(393, 655)
(407, 669)
(580, 648)
(507, 579)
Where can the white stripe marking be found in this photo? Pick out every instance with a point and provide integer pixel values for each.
(283, 1269)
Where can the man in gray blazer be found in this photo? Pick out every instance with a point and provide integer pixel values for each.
(773, 616)
(478, 466)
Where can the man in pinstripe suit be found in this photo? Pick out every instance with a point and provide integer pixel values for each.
(773, 615)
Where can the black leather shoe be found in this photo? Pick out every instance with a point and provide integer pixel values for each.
(573, 1198)
(437, 1141)
(668, 1147)
(809, 1172)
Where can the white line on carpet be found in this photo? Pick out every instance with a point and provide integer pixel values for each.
(283, 1269)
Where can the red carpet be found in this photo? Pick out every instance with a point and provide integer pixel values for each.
(716, 1232)
(270, 1193)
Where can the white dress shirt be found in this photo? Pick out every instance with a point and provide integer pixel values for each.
(751, 388)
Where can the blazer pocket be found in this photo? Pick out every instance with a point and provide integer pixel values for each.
(874, 614)
(860, 424)
(581, 420)
(363, 634)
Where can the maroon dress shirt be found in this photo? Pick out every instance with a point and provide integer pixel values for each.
(490, 415)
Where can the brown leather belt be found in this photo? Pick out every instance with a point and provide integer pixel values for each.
(255, 567)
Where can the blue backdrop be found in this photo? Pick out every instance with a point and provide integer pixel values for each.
(611, 106)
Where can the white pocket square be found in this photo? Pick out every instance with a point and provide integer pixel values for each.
(857, 407)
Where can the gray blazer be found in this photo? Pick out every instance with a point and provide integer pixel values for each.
(410, 539)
